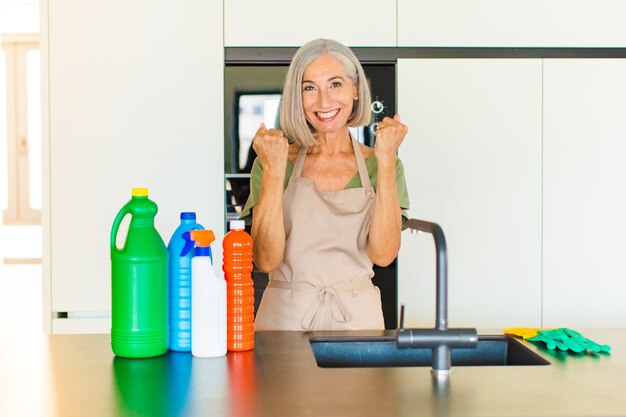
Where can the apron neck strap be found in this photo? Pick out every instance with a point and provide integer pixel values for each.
(360, 163)
(297, 167)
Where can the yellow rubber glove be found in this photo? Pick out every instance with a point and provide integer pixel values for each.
(523, 332)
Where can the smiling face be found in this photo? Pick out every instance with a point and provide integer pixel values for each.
(327, 95)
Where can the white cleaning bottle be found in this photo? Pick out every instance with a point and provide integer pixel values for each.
(208, 300)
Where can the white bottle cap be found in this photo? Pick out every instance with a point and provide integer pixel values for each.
(237, 224)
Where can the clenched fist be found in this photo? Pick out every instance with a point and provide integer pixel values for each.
(272, 149)
(389, 136)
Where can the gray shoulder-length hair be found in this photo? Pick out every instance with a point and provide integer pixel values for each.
(292, 120)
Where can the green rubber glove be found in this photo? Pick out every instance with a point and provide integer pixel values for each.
(567, 339)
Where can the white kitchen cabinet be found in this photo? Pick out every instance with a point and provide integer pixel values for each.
(277, 23)
(472, 160)
(585, 195)
(497, 23)
(135, 100)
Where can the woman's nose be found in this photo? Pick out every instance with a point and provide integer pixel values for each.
(323, 98)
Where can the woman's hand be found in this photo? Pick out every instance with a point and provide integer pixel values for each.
(272, 148)
(389, 136)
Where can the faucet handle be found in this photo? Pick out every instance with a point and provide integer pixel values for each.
(401, 316)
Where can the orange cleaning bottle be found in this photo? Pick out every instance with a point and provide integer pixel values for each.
(237, 249)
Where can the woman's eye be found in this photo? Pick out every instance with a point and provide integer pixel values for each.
(308, 88)
(335, 84)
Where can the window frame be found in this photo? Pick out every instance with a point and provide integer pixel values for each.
(19, 211)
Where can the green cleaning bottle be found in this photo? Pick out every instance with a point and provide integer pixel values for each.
(139, 283)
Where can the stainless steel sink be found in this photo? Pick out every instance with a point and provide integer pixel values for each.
(368, 352)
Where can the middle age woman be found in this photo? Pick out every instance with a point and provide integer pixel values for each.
(325, 207)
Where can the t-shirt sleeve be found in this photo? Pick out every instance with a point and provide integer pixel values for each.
(256, 175)
(403, 193)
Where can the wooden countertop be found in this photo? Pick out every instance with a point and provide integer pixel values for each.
(77, 375)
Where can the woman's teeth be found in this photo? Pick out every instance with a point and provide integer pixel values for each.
(328, 114)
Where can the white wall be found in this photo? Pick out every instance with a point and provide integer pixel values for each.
(497, 23)
(585, 196)
(292, 23)
(473, 165)
(135, 100)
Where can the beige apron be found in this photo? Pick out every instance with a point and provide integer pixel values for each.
(324, 281)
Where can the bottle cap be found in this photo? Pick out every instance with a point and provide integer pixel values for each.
(188, 215)
(237, 225)
(203, 238)
(140, 192)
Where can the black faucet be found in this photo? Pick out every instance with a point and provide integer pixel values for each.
(440, 339)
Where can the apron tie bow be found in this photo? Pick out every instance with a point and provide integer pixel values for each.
(326, 300)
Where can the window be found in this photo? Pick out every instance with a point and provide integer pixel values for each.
(20, 136)
(254, 108)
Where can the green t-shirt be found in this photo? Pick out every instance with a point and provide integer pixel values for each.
(372, 170)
